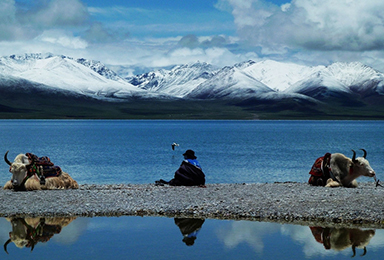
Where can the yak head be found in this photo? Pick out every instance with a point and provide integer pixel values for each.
(361, 165)
(18, 169)
(20, 234)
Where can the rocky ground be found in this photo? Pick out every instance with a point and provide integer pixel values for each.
(282, 202)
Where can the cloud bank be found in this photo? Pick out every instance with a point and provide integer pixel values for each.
(347, 25)
(310, 32)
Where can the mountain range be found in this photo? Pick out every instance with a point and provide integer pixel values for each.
(265, 87)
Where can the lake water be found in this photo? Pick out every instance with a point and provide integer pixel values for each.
(167, 238)
(139, 151)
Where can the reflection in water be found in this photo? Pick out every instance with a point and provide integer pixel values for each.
(27, 232)
(248, 232)
(85, 238)
(262, 236)
(189, 227)
(341, 238)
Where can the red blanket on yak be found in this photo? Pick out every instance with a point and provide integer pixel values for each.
(320, 171)
(49, 169)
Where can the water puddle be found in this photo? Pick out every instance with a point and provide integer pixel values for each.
(167, 238)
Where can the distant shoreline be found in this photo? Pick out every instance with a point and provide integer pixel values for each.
(296, 203)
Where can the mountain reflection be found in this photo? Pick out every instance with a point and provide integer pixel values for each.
(27, 232)
(189, 228)
(340, 239)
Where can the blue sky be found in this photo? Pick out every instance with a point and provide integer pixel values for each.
(157, 33)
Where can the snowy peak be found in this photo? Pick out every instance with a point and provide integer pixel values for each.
(99, 68)
(179, 81)
(348, 78)
(351, 74)
(244, 65)
(230, 82)
(197, 80)
(279, 75)
(43, 61)
(252, 79)
(60, 72)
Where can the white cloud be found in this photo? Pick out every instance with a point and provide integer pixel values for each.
(63, 39)
(24, 24)
(57, 13)
(11, 29)
(98, 33)
(7, 11)
(311, 32)
(348, 25)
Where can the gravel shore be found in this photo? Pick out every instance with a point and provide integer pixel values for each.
(282, 202)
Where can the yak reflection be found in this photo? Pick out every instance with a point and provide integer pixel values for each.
(27, 232)
(342, 238)
(189, 228)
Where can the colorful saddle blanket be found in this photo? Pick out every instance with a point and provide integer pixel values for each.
(49, 169)
(320, 171)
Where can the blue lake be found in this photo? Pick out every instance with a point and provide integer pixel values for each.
(139, 151)
(167, 238)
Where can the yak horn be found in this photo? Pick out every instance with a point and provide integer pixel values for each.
(365, 251)
(6, 244)
(6, 159)
(354, 156)
(33, 244)
(365, 153)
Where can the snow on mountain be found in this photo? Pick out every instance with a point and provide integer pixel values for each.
(179, 81)
(342, 78)
(279, 75)
(264, 79)
(319, 86)
(230, 82)
(251, 79)
(351, 74)
(100, 69)
(357, 76)
(84, 77)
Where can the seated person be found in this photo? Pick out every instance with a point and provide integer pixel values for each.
(188, 174)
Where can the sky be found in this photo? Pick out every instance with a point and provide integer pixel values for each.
(163, 33)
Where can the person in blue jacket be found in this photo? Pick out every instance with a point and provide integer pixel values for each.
(189, 173)
(189, 156)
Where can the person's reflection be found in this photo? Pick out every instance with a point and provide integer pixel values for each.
(341, 238)
(189, 227)
(27, 232)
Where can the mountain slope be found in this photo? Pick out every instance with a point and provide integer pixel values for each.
(60, 72)
(229, 83)
(345, 83)
(279, 75)
(33, 85)
(179, 81)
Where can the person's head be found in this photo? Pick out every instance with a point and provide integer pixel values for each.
(189, 154)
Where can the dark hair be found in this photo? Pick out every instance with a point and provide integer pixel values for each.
(189, 154)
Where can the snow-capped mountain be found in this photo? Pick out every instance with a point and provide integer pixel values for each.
(230, 82)
(179, 81)
(279, 75)
(267, 79)
(263, 79)
(340, 80)
(61, 72)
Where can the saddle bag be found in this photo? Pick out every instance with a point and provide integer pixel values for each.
(320, 171)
